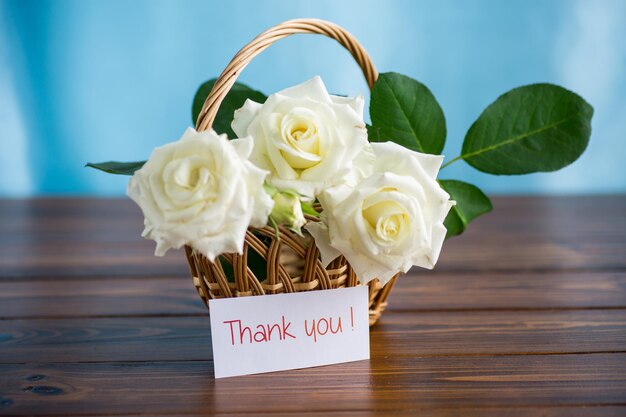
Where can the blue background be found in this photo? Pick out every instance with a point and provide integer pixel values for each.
(100, 80)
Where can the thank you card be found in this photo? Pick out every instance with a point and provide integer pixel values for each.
(288, 331)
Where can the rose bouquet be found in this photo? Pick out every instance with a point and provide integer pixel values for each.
(301, 170)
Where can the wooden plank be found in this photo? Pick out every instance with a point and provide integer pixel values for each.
(104, 296)
(105, 340)
(78, 237)
(111, 296)
(64, 237)
(439, 350)
(501, 332)
(398, 334)
(509, 290)
(543, 411)
(539, 233)
(382, 384)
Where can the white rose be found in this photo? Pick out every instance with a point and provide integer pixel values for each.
(306, 138)
(389, 221)
(201, 191)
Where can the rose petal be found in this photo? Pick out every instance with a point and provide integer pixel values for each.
(243, 146)
(319, 231)
(201, 191)
(244, 116)
(304, 137)
(390, 155)
(356, 103)
(313, 89)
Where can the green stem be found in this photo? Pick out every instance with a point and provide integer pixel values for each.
(451, 161)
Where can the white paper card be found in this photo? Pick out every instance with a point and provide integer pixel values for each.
(288, 331)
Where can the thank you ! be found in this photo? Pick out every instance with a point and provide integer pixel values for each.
(289, 331)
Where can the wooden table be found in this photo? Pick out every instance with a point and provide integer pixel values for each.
(525, 315)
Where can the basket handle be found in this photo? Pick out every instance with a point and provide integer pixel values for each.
(228, 77)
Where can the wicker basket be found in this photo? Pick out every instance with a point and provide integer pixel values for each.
(292, 261)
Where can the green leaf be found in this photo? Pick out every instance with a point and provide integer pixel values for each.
(535, 128)
(308, 209)
(471, 202)
(120, 168)
(228, 268)
(373, 134)
(404, 111)
(235, 98)
(256, 263)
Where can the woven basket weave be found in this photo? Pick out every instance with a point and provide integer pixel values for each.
(292, 261)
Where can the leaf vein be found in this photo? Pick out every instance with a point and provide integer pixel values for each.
(520, 137)
(407, 119)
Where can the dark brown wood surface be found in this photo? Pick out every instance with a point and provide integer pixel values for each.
(524, 315)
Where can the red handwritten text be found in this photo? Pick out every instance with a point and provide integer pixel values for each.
(262, 333)
(321, 327)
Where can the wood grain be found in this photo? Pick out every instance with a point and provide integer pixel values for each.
(423, 291)
(398, 334)
(525, 315)
(383, 384)
(599, 410)
(101, 296)
(79, 237)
